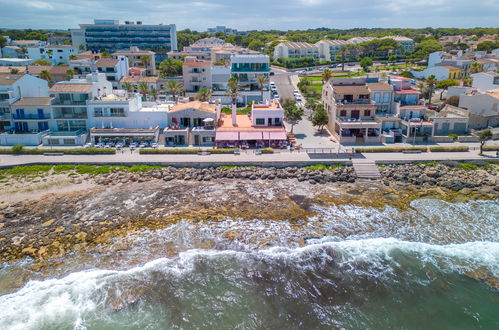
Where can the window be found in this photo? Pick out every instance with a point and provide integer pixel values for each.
(377, 97)
(207, 139)
(386, 97)
(62, 125)
(4, 110)
(69, 141)
(260, 121)
(277, 121)
(367, 113)
(343, 113)
(98, 112)
(4, 96)
(53, 141)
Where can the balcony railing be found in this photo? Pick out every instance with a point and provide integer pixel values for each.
(31, 116)
(70, 116)
(69, 102)
(354, 102)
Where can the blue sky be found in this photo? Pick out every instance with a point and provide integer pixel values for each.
(254, 14)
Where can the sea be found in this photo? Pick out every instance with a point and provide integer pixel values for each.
(432, 266)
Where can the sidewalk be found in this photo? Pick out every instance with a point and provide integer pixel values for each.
(282, 158)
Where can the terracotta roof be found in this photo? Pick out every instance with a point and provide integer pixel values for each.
(449, 67)
(194, 105)
(36, 69)
(59, 69)
(348, 89)
(33, 101)
(197, 63)
(408, 91)
(7, 69)
(70, 88)
(244, 124)
(138, 79)
(380, 87)
(299, 45)
(9, 79)
(107, 62)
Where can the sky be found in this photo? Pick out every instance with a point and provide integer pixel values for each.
(253, 14)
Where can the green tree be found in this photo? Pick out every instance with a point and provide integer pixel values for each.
(426, 47)
(14, 71)
(41, 62)
(233, 89)
(3, 42)
(105, 55)
(365, 63)
(445, 84)
(407, 74)
(145, 59)
(262, 82)
(175, 88)
(143, 89)
(256, 45)
(170, 68)
(291, 112)
(326, 76)
(487, 46)
(431, 81)
(70, 74)
(127, 86)
(154, 93)
(204, 94)
(484, 136)
(73, 57)
(320, 117)
(45, 75)
(475, 68)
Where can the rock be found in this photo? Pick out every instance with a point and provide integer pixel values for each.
(48, 223)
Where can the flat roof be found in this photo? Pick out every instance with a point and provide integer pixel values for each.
(194, 105)
(70, 88)
(243, 124)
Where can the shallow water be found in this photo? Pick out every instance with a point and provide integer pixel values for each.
(423, 268)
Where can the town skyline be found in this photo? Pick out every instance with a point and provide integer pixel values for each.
(292, 15)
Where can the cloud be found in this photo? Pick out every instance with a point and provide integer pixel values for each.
(254, 14)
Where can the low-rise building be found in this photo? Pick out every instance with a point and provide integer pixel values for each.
(31, 114)
(11, 52)
(113, 68)
(196, 75)
(330, 49)
(138, 58)
(485, 81)
(135, 81)
(405, 94)
(296, 50)
(55, 54)
(383, 95)
(247, 68)
(483, 108)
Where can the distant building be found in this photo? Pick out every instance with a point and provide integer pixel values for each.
(296, 50)
(406, 43)
(138, 58)
(110, 35)
(485, 81)
(225, 30)
(196, 75)
(329, 49)
(54, 54)
(483, 108)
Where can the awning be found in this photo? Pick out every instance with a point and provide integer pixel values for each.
(226, 136)
(278, 136)
(250, 135)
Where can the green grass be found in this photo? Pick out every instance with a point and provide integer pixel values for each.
(37, 170)
(468, 166)
(323, 167)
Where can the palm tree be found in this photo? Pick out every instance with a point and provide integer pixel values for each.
(70, 74)
(143, 88)
(326, 76)
(261, 80)
(204, 94)
(233, 89)
(145, 60)
(154, 93)
(174, 87)
(475, 68)
(73, 57)
(45, 75)
(431, 82)
(127, 86)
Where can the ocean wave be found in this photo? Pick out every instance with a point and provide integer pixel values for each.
(82, 298)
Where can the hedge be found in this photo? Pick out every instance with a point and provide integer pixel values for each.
(490, 148)
(449, 149)
(390, 149)
(195, 151)
(73, 151)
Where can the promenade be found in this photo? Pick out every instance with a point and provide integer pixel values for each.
(280, 158)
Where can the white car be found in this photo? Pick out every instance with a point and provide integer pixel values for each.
(88, 145)
(298, 97)
(133, 145)
(154, 145)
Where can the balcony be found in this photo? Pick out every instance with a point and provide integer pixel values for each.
(69, 102)
(70, 115)
(355, 102)
(44, 116)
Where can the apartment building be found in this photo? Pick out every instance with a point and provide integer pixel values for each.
(113, 68)
(483, 108)
(407, 44)
(225, 30)
(213, 49)
(405, 94)
(485, 81)
(55, 54)
(138, 58)
(383, 94)
(111, 35)
(31, 114)
(135, 81)
(14, 87)
(196, 75)
(296, 50)
(247, 68)
(329, 49)
(351, 111)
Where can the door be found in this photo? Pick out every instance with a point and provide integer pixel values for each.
(355, 114)
(269, 121)
(40, 114)
(41, 126)
(20, 113)
(25, 126)
(196, 140)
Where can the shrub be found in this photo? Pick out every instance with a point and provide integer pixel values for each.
(17, 149)
(168, 151)
(390, 149)
(20, 150)
(449, 149)
(322, 167)
(468, 166)
(267, 151)
(490, 148)
(453, 136)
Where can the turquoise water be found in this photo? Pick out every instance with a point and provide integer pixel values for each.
(387, 277)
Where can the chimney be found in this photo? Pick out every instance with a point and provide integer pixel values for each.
(234, 115)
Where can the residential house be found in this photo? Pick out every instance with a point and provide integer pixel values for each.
(196, 75)
(383, 95)
(330, 49)
(351, 111)
(483, 108)
(247, 68)
(28, 43)
(296, 50)
(191, 123)
(15, 61)
(113, 68)
(485, 81)
(11, 52)
(55, 54)
(262, 128)
(405, 94)
(449, 120)
(138, 58)
(31, 114)
(57, 72)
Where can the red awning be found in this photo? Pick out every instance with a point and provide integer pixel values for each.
(278, 136)
(250, 135)
(226, 136)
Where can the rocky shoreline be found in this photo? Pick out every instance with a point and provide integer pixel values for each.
(121, 202)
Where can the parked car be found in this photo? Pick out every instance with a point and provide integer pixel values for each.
(298, 97)
(272, 73)
(414, 81)
(88, 145)
(295, 91)
(119, 145)
(332, 66)
(133, 145)
(154, 145)
(351, 64)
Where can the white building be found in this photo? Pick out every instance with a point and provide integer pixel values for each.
(483, 108)
(329, 49)
(296, 50)
(196, 75)
(113, 68)
(267, 114)
(139, 58)
(485, 81)
(247, 68)
(55, 54)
